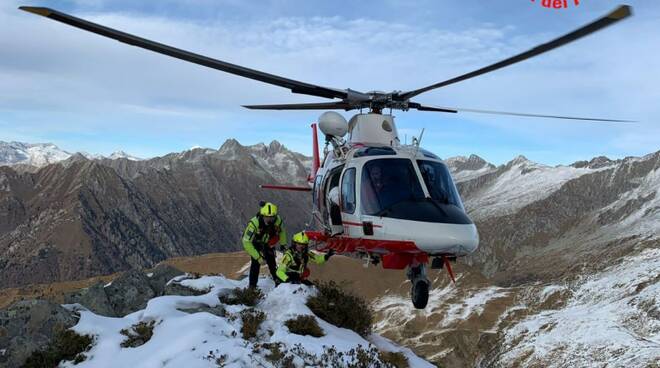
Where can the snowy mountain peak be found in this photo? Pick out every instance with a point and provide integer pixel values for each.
(473, 162)
(518, 160)
(121, 154)
(275, 147)
(33, 154)
(230, 145)
(594, 163)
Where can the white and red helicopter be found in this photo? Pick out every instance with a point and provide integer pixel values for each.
(393, 203)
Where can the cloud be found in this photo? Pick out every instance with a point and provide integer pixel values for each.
(56, 70)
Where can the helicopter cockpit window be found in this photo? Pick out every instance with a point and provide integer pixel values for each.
(429, 154)
(374, 151)
(439, 183)
(348, 191)
(387, 186)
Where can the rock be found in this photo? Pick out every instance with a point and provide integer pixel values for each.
(93, 298)
(130, 292)
(161, 275)
(218, 310)
(29, 325)
(174, 288)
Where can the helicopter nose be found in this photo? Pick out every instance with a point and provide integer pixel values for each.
(437, 238)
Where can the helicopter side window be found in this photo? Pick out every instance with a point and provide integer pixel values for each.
(348, 191)
(316, 194)
(439, 183)
(387, 184)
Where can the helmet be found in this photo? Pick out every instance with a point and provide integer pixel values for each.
(268, 209)
(300, 238)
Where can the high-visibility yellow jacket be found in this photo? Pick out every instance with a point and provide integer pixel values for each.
(256, 236)
(297, 262)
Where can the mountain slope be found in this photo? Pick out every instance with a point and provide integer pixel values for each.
(81, 217)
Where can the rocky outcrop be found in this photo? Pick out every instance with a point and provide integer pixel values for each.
(93, 298)
(127, 293)
(29, 325)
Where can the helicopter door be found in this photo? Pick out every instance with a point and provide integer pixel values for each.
(333, 212)
(349, 212)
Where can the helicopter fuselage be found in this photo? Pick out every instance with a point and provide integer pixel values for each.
(373, 195)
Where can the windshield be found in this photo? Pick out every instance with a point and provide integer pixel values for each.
(386, 182)
(439, 183)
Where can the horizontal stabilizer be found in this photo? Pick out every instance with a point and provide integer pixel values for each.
(286, 187)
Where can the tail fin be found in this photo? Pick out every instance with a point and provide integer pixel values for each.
(316, 161)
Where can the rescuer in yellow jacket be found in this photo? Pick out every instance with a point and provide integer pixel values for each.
(293, 267)
(262, 234)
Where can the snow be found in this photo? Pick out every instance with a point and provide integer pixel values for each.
(42, 154)
(522, 183)
(466, 175)
(611, 320)
(646, 220)
(37, 154)
(191, 340)
(121, 154)
(472, 305)
(443, 301)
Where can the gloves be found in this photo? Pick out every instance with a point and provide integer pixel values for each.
(261, 260)
(329, 254)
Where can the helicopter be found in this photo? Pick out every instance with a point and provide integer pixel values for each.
(373, 196)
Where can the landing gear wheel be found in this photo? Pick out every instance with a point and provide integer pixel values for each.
(420, 293)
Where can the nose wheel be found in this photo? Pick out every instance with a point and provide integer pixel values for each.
(419, 292)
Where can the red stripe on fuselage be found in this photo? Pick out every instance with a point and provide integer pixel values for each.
(357, 224)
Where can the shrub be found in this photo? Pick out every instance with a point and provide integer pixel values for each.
(341, 308)
(248, 297)
(393, 359)
(277, 356)
(252, 319)
(138, 335)
(305, 325)
(66, 345)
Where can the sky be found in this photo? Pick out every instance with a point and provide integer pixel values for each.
(87, 93)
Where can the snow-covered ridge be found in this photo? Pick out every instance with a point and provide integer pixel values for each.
(183, 336)
(34, 154)
(611, 320)
(42, 154)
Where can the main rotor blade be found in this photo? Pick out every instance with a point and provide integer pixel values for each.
(294, 85)
(458, 109)
(616, 15)
(415, 105)
(340, 105)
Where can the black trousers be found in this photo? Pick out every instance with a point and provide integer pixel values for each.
(269, 256)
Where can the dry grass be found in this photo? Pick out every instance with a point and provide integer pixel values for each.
(393, 359)
(138, 335)
(66, 345)
(226, 263)
(342, 308)
(305, 325)
(248, 296)
(252, 320)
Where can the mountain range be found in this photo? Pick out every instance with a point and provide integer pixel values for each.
(566, 273)
(83, 217)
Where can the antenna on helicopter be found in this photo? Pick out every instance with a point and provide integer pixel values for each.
(418, 141)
